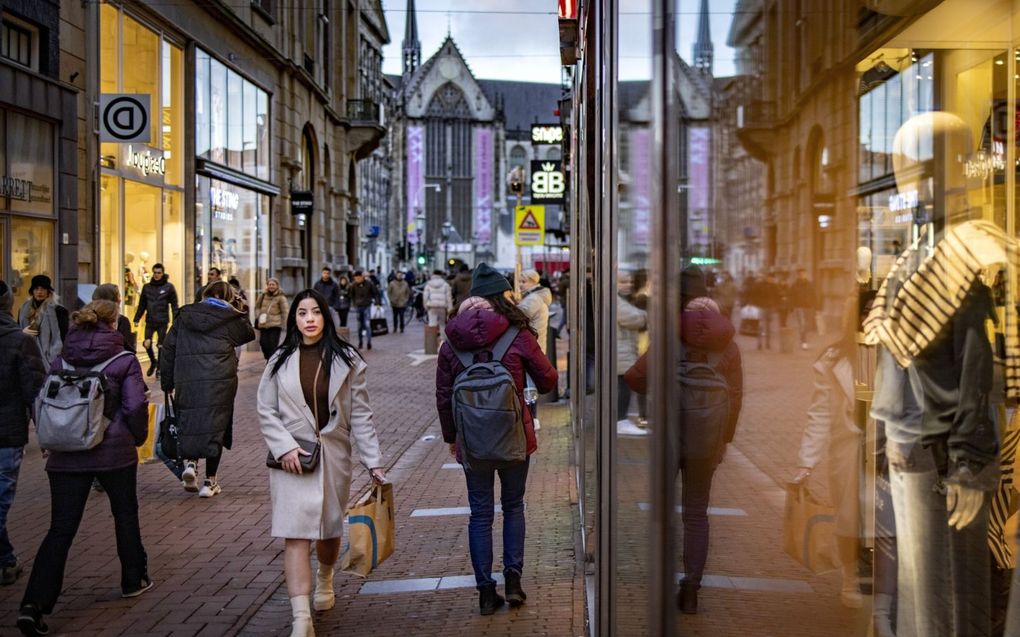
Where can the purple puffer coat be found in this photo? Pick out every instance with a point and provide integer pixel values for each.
(126, 388)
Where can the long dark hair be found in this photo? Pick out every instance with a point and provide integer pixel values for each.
(501, 305)
(330, 345)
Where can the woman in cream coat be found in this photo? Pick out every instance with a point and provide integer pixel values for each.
(314, 387)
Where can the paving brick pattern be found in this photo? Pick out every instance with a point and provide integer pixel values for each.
(218, 572)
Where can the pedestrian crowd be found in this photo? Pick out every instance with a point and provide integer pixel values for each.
(312, 405)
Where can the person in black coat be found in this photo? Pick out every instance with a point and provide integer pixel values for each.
(199, 365)
(327, 287)
(21, 364)
(156, 301)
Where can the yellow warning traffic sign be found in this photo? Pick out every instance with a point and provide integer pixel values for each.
(529, 226)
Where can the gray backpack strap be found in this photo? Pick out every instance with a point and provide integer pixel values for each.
(503, 344)
(102, 366)
(466, 359)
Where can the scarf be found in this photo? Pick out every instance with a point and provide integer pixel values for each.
(929, 297)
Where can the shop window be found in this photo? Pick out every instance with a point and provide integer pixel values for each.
(235, 125)
(249, 132)
(32, 253)
(218, 111)
(109, 48)
(30, 164)
(231, 232)
(262, 136)
(109, 239)
(19, 41)
(172, 124)
(203, 115)
(140, 69)
(265, 8)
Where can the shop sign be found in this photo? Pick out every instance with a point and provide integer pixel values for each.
(548, 183)
(224, 203)
(906, 200)
(301, 202)
(15, 188)
(529, 225)
(982, 164)
(546, 134)
(124, 118)
(146, 161)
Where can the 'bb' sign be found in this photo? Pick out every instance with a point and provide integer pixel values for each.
(548, 183)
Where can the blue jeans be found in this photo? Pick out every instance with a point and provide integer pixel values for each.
(365, 324)
(480, 485)
(10, 466)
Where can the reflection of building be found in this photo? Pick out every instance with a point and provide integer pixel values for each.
(249, 103)
(39, 147)
(376, 229)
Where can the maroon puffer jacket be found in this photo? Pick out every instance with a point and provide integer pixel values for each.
(126, 388)
(473, 330)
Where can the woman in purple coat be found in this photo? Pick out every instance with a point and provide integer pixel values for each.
(92, 340)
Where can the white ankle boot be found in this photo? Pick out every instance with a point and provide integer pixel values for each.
(325, 599)
(302, 617)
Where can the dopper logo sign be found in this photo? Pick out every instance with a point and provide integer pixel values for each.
(124, 118)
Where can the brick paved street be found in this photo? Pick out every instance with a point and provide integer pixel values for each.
(218, 572)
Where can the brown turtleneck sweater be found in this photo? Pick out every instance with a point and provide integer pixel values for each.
(315, 382)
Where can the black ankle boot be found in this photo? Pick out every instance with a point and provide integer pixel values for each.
(489, 600)
(515, 595)
(687, 598)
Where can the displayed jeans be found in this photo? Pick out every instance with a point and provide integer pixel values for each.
(365, 324)
(69, 493)
(944, 575)
(696, 488)
(480, 485)
(10, 466)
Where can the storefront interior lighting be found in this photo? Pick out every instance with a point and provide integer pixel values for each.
(1000, 62)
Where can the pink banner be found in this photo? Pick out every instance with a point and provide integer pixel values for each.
(415, 179)
(698, 140)
(641, 182)
(483, 185)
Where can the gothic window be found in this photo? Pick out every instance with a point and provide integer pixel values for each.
(449, 102)
(518, 157)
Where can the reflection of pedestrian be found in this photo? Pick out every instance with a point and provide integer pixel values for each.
(114, 462)
(158, 303)
(725, 294)
(22, 366)
(804, 303)
(270, 313)
(765, 296)
(43, 318)
(630, 321)
(399, 293)
(364, 294)
(314, 389)
(200, 366)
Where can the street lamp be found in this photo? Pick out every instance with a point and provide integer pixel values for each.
(419, 220)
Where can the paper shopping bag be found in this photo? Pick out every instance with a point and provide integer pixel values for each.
(146, 452)
(371, 530)
(809, 530)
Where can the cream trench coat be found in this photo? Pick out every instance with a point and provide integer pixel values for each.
(311, 506)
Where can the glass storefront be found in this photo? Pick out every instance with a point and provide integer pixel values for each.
(794, 329)
(141, 220)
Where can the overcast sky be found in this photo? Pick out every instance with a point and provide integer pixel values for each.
(519, 40)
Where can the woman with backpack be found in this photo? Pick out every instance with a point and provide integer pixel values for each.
(199, 365)
(313, 399)
(91, 342)
(476, 333)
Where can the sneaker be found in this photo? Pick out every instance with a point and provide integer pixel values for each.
(10, 574)
(30, 621)
(209, 489)
(538, 425)
(190, 477)
(143, 586)
(627, 428)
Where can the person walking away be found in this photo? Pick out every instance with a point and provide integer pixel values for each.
(343, 299)
(630, 322)
(478, 328)
(158, 304)
(804, 302)
(199, 365)
(437, 297)
(364, 294)
(22, 365)
(725, 294)
(328, 288)
(93, 340)
(535, 301)
(460, 287)
(707, 337)
(270, 314)
(765, 296)
(399, 293)
(110, 292)
(43, 318)
(314, 391)
(214, 275)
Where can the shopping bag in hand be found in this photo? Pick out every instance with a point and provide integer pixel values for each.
(809, 530)
(146, 452)
(372, 531)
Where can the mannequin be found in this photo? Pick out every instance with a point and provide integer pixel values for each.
(933, 389)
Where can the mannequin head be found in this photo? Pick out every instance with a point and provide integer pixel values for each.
(928, 144)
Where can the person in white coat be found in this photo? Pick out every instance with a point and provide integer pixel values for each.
(535, 302)
(437, 297)
(313, 389)
(630, 321)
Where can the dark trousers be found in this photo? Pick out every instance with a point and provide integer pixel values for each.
(269, 339)
(398, 318)
(480, 485)
(69, 492)
(10, 466)
(343, 316)
(622, 398)
(365, 324)
(696, 489)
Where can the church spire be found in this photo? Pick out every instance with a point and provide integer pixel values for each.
(411, 46)
(703, 45)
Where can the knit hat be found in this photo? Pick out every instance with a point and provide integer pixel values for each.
(531, 276)
(6, 298)
(488, 282)
(692, 283)
(41, 281)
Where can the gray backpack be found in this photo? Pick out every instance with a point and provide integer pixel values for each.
(71, 413)
(704, 405)
(486, 410)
